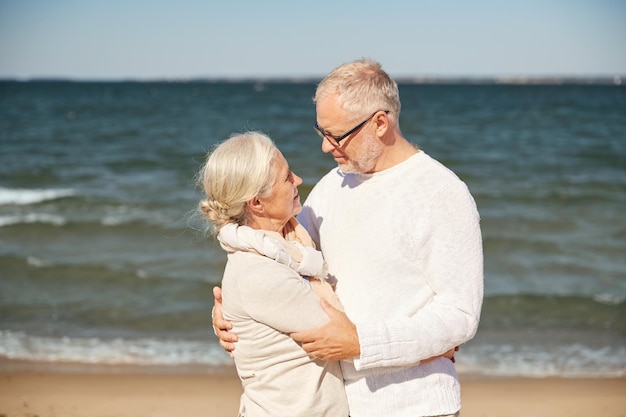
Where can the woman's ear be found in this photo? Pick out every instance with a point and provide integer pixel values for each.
(255, 205)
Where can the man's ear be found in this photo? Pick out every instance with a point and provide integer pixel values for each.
(382, 124)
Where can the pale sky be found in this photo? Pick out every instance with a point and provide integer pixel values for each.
(155, 39)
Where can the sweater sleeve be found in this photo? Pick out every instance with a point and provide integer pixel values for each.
(453, 264)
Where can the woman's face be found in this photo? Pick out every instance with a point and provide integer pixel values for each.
(283, 203)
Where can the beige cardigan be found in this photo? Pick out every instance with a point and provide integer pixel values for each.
(265, 301)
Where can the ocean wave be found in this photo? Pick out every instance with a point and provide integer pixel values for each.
(576, 360)
(107, 221)
(30, 218)
(146, 351)
(32, 196)
(494, 360)
(609, 299)
(37, 262)
(136, 217)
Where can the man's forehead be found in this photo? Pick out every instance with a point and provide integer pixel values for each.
(328, 110)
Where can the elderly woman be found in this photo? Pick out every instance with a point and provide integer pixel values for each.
(271, 281)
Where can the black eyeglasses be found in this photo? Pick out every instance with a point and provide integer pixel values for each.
(338, 139)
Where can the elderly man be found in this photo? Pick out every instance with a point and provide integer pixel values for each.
(400, 233)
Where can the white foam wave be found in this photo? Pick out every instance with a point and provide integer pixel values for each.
(117, 220)
(31, 196)
(609, 299)
(503, 360)
(146, 351)
(37, 263)
(570, 361)
(32, 218)
(125, 215)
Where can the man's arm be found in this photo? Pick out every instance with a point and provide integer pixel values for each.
(335, 340)
(338, 339)
(221, 326)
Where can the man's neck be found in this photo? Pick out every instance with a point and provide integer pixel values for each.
(395, 154)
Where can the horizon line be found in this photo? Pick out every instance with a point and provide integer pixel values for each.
(500, 79)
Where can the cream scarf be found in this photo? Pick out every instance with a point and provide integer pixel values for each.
(296, 250)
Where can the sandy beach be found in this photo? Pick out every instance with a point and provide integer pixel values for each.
(159, 394)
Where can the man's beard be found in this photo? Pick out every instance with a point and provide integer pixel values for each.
(364, 161)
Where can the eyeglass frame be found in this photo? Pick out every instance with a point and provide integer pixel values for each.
(337, 139)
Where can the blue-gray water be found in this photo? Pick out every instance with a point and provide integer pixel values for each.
(102, 260)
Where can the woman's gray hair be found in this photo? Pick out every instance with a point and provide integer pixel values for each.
(362, 87)
(236, 170)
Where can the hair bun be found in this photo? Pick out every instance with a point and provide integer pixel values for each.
(216, 212)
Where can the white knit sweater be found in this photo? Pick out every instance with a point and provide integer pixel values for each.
(406, 249)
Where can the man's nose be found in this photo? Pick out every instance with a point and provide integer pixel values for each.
(327, 145)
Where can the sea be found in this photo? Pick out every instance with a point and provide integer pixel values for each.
(104, 261)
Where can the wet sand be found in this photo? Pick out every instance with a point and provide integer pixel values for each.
(161, 394)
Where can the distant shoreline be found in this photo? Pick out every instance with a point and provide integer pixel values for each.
(616, 80)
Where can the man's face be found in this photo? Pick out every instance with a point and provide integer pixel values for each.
(359, 151)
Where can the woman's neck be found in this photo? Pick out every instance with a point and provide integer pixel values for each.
(266, 224)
